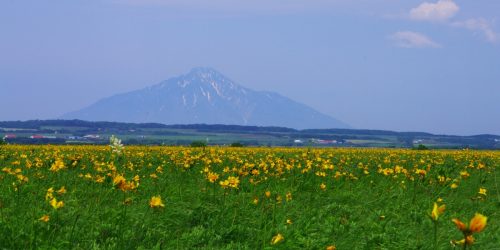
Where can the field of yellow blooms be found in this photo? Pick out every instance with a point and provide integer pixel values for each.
(97, 197)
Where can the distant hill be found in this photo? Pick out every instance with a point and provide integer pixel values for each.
(78, 131)
(205, 96)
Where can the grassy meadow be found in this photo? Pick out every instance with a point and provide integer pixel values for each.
(91, 197)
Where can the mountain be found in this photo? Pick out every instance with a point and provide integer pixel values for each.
(205, 96)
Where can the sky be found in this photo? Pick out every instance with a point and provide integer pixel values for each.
(403, 65)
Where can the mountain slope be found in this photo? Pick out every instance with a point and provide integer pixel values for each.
(205, 96)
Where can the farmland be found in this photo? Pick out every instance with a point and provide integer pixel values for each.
(154, 197)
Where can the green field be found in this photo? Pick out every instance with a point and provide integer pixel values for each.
(86, 197)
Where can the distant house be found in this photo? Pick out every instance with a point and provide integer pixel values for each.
(37, 137)
(10, 136)
(298, 141)
(320, 141)
(92, 137)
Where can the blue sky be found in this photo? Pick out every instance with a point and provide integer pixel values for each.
(379, 64)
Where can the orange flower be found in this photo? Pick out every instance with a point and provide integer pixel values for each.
(460, 225)
(268, 194)
(44, 218)
(478, 223)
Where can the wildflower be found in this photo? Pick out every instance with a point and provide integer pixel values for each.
(478, 223)
(289, 222)
(57, 165)
(62, 190)
(331, 247)
(322, 186)
(44, 218)
(460, 225)
(453, 186)
(288, 196)
(115, 144)
(268, 194)
(233, 181)
(279, 199)
(212, 177)
(99, 179)
(136, 178)
(255, 201)
(50, 194)
(117, 180)
(156, 202)
(421, 172)
(482, 191)
(277, 239)
(56, 204)
(464, 174)
(436, 211)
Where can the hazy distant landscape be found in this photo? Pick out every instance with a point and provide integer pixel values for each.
(83, 132)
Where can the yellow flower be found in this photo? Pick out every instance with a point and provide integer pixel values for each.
(233, 181)
(420, 172)
(268, 194)
(119, 179)
(56, 204)
(436, 211)
(454, 185)
(136, 178)
(331, 248)
(156, 202)
(477, 223)
(482, 191)
(464, 174)
(57, 165)
(277, 239)
(212, 177)
(288, 196)
(255, 201)
(322, 186)
(289, 222)
(49, 194)
(62, 190)
(44, 218)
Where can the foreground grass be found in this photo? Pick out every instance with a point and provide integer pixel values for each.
(313, 198)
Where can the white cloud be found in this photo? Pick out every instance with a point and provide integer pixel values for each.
(481, 25)
(442, 10)
(410, 39)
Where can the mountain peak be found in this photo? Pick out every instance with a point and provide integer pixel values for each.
(204, 95)
(204, 73)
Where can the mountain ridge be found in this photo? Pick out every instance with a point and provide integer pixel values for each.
(205, 96)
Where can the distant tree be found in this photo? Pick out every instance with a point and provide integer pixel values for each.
(237, 145)
(198, 144)
(421, 147)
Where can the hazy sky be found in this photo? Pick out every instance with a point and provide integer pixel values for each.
(405, 65)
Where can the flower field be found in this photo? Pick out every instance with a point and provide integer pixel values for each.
(96, 197)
